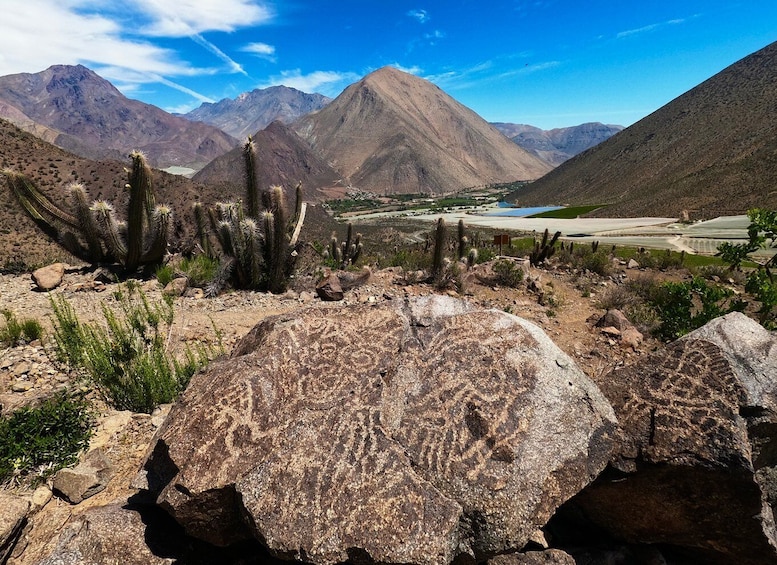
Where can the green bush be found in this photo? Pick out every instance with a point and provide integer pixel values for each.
(507, 273)
(761, 282)
(15, 332)
(685, 306)
(165, 274)
(127, 358)
(37, 442)
(200, 270)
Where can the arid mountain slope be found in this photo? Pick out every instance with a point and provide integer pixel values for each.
(392, 132)
(255, 110)
(79, 111)
(52, 169)
(711, 151)
(282, 158)
(560, 144)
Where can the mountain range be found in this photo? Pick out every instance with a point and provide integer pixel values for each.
(560, 144)
(255, 110)
(711, 151)
(77, 110)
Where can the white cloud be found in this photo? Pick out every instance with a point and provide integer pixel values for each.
(102, 34)
(261, 50)
(324, 82)
(421, 15)
(36, 35)
(187, 17)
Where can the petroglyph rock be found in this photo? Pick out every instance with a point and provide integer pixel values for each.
(409, 432)
(695, 466)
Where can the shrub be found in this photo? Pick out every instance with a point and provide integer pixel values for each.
(15, 332)
(165, 274)
(128, 359)
(685, 306)
(507, 273)
(761, 282)
(37, 442)
(200, 270)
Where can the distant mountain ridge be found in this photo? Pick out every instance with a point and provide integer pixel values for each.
(711, 151)
(560, 144)
(393, 132)
(77, 110)
(255, 110)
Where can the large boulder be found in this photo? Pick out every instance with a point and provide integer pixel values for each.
(694, 468)
(413, 432)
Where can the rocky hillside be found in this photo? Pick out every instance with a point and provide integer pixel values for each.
(392, 132)
(255, 110)
(560, 144)
(283, 159)
(79, 111)
(711, 151)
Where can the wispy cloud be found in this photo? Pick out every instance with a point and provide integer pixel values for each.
(329, 83)
(128, 80)
(649, 28)
(486, 71)
(421, 16)
(261, 50)
(233, 65)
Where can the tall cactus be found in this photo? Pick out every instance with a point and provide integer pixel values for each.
(545, 249)
(260, 242)
(439, 249)
(347, 252)
(93, 233)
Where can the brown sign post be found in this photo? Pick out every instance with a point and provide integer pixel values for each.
(500, 240)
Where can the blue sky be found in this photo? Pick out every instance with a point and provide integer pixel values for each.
(548, 63)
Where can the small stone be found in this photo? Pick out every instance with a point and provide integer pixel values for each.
(176, 287)
(40, 497)
(632, 264)
(21, 386)
(84, 480)
(49, 277)
(21, 369)
(610, 330)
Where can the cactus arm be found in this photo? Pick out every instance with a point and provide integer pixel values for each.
(298, 227)
(156, 247)
(89, 226)
(252, 187)
(110, 228)
(23, 187)
(137, 214)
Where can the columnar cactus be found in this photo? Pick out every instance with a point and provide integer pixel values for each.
(545, 249)
(439, 249)
(92, 233)
(259, 244)
(347, 252)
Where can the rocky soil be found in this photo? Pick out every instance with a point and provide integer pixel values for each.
(567, 312)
